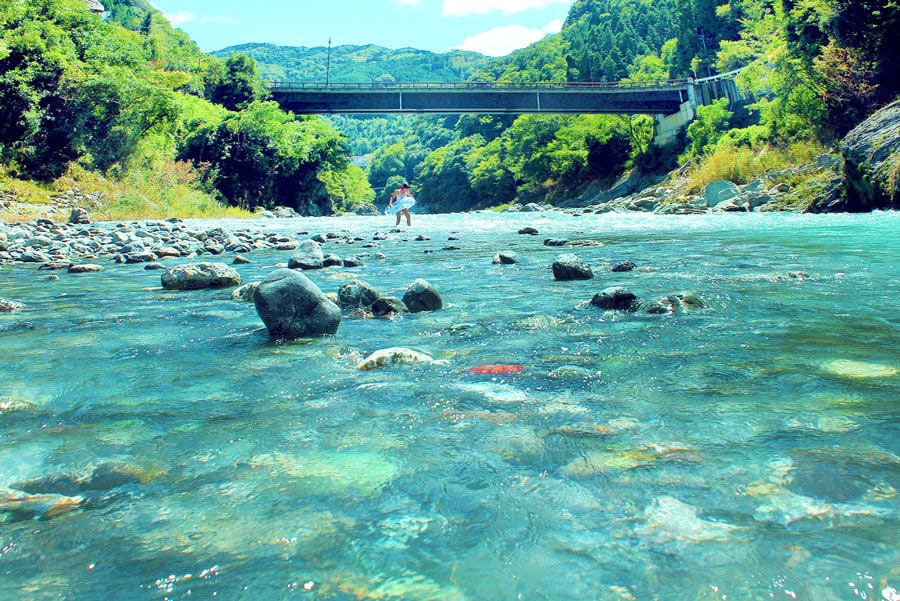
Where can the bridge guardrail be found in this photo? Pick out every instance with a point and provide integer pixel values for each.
(288, 86)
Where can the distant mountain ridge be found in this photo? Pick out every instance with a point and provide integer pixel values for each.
(358, 64)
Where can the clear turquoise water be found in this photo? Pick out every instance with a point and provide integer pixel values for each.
(750, 450)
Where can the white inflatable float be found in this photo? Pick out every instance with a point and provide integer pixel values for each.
(403, 202)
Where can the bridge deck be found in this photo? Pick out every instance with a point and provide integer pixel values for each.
(491, 98)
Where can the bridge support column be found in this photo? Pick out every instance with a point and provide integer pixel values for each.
(668, 126)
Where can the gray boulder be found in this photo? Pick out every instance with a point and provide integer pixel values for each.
(871, 155)
(506, 257)
(422, 296)
(308, 255)
(195, 276)
(719, 191)
(292, 306)
(570, 266)
(355, 294)
(615, 298)
(624, 266)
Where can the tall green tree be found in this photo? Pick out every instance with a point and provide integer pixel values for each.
(239, 85)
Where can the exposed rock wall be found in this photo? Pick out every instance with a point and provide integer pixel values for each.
(872, 162)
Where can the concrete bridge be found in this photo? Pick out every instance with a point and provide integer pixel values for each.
(672, 102)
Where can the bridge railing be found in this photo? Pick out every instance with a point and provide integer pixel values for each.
(290, 86)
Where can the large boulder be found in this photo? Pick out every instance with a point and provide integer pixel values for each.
(422, 296)
(719, 191)
(570, 266)
(195, 276)
(872, 162)
(292, 306)
(308, 255)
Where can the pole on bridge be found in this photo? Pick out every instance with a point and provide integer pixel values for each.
(328, 63)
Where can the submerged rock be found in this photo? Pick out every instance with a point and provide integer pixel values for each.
(292, 306)
(673, 303)
(28, 506)
(9, 306)
(398, 354)
(670, 520)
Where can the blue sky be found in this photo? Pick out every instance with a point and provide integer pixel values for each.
(492, 27)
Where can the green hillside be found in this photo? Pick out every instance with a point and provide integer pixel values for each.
(357, 64)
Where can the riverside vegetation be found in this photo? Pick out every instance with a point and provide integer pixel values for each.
(128, 113)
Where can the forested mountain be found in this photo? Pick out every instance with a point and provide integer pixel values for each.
(357, 64)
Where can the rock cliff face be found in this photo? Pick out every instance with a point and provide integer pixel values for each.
(872, 162)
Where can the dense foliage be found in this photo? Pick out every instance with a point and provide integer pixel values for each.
(126, 94)
(129, 93)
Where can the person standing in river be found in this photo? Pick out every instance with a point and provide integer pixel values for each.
(400, 202)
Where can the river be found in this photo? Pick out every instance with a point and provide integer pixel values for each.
(746, 450)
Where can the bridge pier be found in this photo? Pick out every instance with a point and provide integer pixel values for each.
(669, 126)
(701, 92)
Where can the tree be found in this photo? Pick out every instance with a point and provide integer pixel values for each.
(239, 85)
(264, 157)
(710, 124)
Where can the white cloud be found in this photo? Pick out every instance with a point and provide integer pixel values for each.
(554, 26)
(500, 41)
(464, 8)
(180, 18)
(185, 16)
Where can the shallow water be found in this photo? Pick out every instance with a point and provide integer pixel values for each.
(748, 450)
